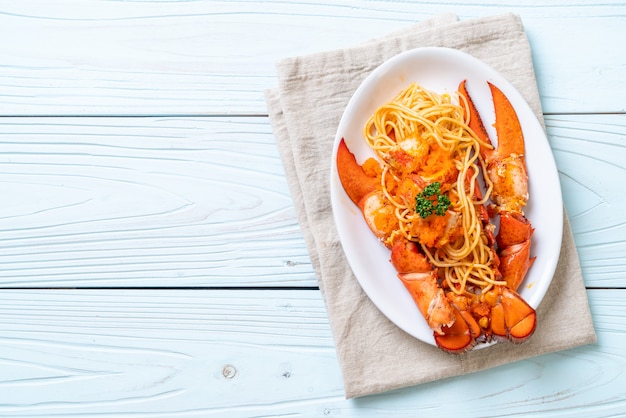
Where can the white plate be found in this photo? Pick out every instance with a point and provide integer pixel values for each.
(441, 70)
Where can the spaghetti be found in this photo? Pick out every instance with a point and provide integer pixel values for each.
(421, 138)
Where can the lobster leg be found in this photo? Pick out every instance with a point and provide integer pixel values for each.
(454, 330)
(506, 168)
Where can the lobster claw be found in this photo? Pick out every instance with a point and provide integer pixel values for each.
(355, 181)
(430, 299)
(364, 190)
(506, 168)
(514, 243)
(406, 257)
(506, 165)
(421, 280)
(454, 329)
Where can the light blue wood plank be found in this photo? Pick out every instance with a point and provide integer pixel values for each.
(133, 202)
(217, 57)
(244, 353)
(146, 202)
(590, 152)
(204, 202)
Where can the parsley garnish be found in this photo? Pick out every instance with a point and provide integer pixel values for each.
(431, 200)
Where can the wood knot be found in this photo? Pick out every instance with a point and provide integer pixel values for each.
(229, 371)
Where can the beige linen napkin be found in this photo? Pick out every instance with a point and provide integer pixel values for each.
(305, 110)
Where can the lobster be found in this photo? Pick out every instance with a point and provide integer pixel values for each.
(460, 320)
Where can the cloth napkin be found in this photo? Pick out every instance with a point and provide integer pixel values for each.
(305, 110)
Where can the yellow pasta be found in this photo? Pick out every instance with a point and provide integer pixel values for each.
(422, 138)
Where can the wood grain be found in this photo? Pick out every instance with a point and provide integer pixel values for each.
(136, 162)
(95, 57)
(590, 152)
(146, 202)
(242, 353)
(202, 201)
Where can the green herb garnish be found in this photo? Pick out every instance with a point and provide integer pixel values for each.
(431, 200)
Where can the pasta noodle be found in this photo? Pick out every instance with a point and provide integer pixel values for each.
(421, 137)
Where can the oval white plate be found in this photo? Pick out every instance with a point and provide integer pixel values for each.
(441, 70)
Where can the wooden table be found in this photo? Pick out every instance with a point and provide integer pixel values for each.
(151, 263)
